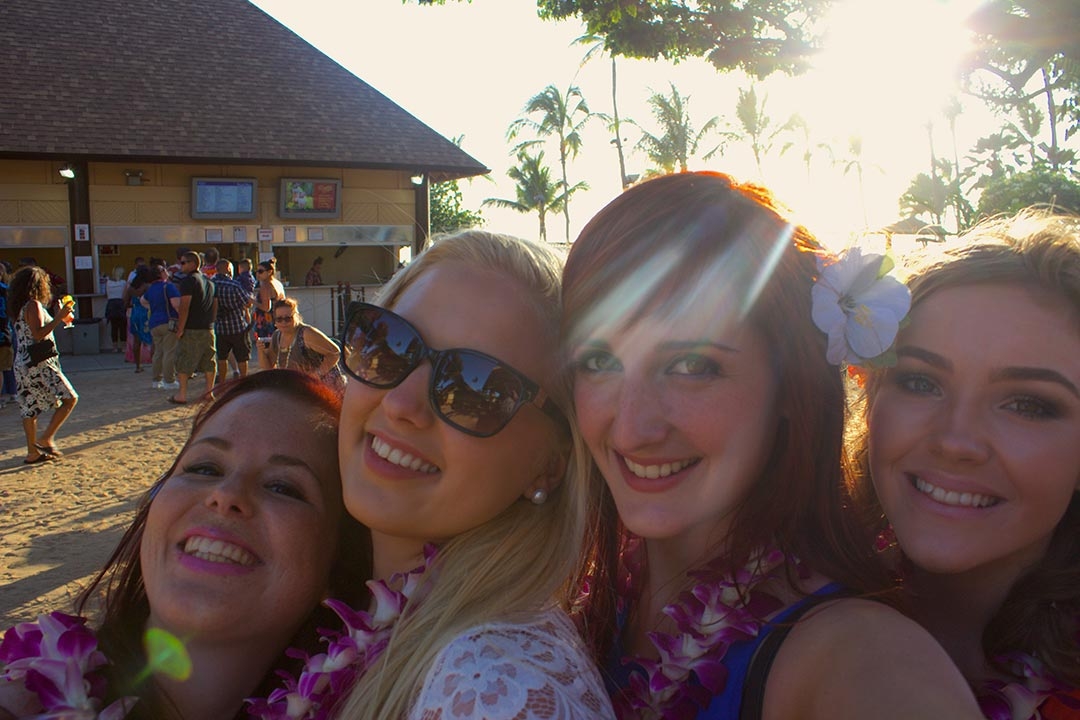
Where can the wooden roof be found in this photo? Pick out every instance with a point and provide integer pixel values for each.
(195, 81)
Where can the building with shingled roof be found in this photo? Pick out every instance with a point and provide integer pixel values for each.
(199, 123)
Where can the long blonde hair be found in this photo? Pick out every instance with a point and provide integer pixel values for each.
(521, 561)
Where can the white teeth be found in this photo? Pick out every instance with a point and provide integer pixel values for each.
(652, 472)
(951, 497)
(217, 551)
(399, 457)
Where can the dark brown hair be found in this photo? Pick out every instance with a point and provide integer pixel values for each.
(28, 283)
(1040, 252)
(123, 601)
(681, 238)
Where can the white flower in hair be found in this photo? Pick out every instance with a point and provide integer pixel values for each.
(859, 306)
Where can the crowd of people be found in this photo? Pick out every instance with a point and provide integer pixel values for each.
(704, 468)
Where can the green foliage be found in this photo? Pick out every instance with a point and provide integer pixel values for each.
(534, 189)
(1037, 187)
(448, 213)
(758, 36)
(677, 141)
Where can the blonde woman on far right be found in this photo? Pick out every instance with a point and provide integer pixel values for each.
(973, 448)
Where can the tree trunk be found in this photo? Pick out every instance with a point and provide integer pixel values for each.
(1051, 114)
(615, 124)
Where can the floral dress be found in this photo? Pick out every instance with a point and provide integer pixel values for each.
(44, 385)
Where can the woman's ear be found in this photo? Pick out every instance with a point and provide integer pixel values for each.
(549, 477)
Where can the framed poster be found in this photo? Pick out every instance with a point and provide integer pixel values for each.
(309, 198)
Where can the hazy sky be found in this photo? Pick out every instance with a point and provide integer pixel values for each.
(468, 69)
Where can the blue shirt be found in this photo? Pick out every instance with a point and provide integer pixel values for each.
(161, 308)
(727, 704)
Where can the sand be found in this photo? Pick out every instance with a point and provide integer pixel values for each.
(60, 521)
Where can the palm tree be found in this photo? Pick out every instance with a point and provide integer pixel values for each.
(614, 123)
(798, 126)
(677, 141)
(757, 127)
(534, 189)
(561, 116)
(854, 160)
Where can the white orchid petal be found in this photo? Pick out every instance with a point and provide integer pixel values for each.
(869, 341)
(838, 347)
(825, 308)
(887, 294)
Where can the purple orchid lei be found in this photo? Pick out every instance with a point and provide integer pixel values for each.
(327, 677)
(1000, 700)
(723, 608)
(56, 661)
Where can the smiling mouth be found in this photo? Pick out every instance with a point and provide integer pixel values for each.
(218, 551)
(951, 497)
(398, 457)
(652, 472)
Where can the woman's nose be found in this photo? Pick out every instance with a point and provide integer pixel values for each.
(231, 495)
(408, 402)
(957, 432)
(640, 417)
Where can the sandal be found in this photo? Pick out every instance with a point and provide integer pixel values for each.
(48, 450)
(174, 401)
(43, 457)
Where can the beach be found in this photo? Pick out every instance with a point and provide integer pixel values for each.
(60, 521)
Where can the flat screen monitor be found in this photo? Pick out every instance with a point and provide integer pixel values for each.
(215, 198)
(309, 198)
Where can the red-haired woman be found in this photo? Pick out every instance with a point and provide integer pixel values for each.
(725, 572)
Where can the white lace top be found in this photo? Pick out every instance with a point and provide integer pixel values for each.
(514, 671)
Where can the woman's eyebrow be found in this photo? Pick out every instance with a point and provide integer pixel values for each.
(1036, 373)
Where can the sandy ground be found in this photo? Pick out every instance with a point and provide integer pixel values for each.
(59, 521)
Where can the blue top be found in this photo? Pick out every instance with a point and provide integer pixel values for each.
(727, 704)
(160, 307)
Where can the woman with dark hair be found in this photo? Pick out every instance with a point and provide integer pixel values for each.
(231, 551)
(268, 291)
(974, 451)
(725, 568)
(41, 385)
(297, 346)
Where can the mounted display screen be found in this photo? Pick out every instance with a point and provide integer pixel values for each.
(223, 198)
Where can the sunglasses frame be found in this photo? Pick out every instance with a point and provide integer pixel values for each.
(531, 391)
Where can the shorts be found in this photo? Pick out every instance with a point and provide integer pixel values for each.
(195, 352)
(239, 344)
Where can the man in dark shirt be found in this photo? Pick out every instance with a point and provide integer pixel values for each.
(195, 346)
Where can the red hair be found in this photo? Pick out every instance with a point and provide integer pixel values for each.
(691, 234)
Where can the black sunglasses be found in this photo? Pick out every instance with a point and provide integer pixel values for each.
(472, 391)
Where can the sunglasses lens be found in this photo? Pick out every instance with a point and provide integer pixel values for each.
(474, 393)
(383, 349)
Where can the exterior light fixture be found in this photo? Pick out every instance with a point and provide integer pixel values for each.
(134, 177)
(67, 172)
(417, 178)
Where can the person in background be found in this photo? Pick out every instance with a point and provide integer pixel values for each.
(195, 346)
(7, 340)
(41, 386)
(230, 551)
(268, 292)
(163, 297)
(244, 276)
(297, 346)
(314, 275)
(140, 341)
(231, 328)
(140, 263)
(176, 270)
(115, 312)
(973, 460)
(208, 266)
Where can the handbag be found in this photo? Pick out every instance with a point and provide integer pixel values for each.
(173, 321)
(41, 351)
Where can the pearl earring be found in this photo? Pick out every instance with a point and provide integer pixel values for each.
(539, 496)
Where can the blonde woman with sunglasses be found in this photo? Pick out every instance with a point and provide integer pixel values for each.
(297, 346)
(456, 452)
